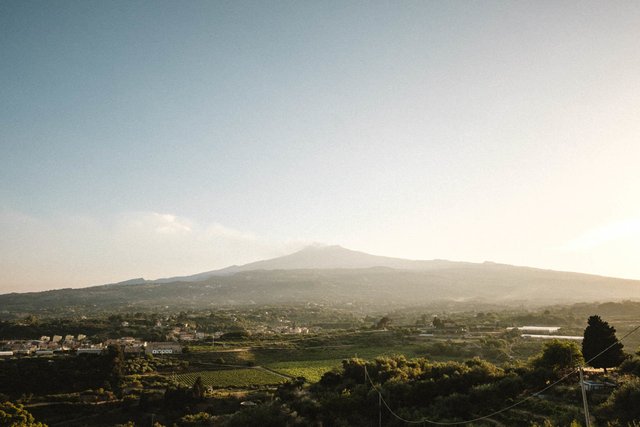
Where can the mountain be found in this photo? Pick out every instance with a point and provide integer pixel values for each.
(334, 275)
(320, 257)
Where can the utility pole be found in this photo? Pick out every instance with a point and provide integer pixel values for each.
(380, 410)
(366, 374)
(584, 400)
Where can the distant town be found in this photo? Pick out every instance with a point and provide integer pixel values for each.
(176, 339)
(180, 336)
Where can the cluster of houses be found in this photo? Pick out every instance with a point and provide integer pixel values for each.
(187, 333)
(286, 329)
(46, 345)
(290, 330)
(55, 345)
(70, 344)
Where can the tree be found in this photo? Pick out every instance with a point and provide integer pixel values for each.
(112, 366)
(198, 389)
(16, 416)
(383, 323)
(437, 322)
(599, 337)
(199, 419)
(268, 415)
(559, 356)
(622, 404)
(31, 320)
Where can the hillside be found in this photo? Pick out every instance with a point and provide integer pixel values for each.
(335, 275)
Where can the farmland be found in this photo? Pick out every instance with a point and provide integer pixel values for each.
(311, 370)
(250, 367)
(232, 378)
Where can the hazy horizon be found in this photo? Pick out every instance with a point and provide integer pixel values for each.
(158, 139)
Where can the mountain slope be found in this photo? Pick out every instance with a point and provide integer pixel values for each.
(321, 257)
(372, 282)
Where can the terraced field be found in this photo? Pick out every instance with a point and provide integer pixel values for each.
(232, 378)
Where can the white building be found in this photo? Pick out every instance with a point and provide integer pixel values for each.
(160, 348)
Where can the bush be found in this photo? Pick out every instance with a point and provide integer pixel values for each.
(199, 419)
(622, 405)
(15, 415)
(631, 367)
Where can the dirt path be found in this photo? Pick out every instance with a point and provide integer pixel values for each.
(263, 368)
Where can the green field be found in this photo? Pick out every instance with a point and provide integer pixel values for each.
(311, 370)
(266, 356)
(231, 378)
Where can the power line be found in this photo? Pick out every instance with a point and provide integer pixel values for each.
(450, 423)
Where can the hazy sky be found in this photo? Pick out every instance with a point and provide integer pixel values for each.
(163, 138)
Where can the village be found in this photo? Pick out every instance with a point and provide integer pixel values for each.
(176, 340)
(178, 337)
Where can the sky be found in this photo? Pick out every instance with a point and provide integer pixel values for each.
(153, 138)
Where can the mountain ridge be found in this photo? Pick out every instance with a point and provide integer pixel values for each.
(319, 257)
(335, 275)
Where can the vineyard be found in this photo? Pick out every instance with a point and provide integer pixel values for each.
(311, 370)
(231, 378)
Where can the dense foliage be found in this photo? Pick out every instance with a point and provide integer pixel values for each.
(600, 346)
(61, 374)
(12, 415)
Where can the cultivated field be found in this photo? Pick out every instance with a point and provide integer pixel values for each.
(311, 370)
(236, 378)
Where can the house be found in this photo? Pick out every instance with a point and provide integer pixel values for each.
(186, 336)
(134, 349)
(124, 341)
(596, 385)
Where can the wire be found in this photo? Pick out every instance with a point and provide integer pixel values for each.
(450, 423)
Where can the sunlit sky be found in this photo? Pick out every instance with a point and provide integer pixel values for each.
(153, 139)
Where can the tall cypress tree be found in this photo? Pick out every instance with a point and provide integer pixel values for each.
(198, 389)
(599, 336)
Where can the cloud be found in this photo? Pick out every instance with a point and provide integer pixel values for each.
(170, 224)
(153, 223)
(626, 230)
(156, 225)
(220, 230)
(72, 251)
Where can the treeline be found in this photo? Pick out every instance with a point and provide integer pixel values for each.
(40, 376)
(98, 328)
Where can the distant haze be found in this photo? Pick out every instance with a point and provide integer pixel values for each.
(162, 139)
